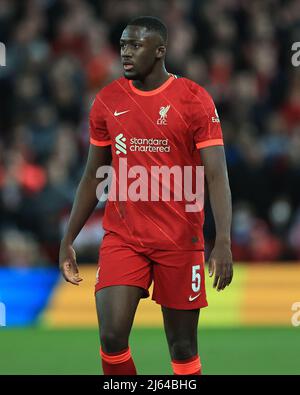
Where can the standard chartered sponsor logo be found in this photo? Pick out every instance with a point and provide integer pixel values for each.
(140, 144)
(120, 144)
(157, 183)
(149, 145)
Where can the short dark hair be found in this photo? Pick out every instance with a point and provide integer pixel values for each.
(153, 24)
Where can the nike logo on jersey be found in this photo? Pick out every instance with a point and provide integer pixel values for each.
(116, 113)
(191, 298)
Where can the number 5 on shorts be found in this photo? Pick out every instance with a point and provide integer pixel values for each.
(196, 278)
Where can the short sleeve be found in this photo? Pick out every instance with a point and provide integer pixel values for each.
(205, 124)
(97, 125)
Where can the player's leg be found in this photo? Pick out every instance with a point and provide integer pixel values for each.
(116, 307)
(123, 277)
(179, 287)
(181, 332)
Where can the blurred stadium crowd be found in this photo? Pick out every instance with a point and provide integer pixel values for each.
(61, 52)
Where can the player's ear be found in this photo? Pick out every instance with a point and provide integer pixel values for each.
(160, 51)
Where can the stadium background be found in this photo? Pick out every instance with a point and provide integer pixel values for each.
(59, 54)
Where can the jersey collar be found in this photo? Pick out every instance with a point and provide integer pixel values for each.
(154, 91)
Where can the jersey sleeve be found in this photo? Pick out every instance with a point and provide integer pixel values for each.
(205, 125)
(97, 125)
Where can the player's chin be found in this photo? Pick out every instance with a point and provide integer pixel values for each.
(131, 75)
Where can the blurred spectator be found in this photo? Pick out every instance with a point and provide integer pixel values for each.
(61, 52)
(20, 249)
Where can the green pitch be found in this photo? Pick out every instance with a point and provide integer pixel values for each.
(223, 351)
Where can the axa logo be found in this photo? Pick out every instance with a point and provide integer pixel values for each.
(163, 115)
(120, 144)
(216, 118)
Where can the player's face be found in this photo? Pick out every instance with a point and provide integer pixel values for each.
(140, 50)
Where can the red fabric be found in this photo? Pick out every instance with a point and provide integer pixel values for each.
(190, 366)
(179, 276)
(118, 364)
(155, 128)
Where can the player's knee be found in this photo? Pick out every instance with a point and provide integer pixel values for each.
(183, 349)
(113, 341)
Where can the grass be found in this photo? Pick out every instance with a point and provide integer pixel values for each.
(227, 351)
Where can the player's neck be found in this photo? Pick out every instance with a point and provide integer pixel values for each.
(153, 81)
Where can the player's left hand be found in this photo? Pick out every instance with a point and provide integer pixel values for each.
(220, 263)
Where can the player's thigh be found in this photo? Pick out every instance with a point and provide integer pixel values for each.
(116, 307)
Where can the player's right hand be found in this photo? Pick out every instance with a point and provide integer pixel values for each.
(68, 265)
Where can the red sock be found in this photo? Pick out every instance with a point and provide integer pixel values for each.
(190, 366)
(118, 363)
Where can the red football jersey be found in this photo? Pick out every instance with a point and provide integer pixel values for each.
(147, 130)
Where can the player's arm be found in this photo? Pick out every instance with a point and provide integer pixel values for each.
(84, 204)
(215, 170)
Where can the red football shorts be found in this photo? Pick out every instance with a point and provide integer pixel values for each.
(178, 276)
